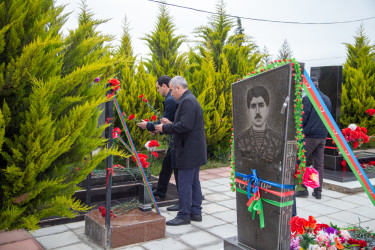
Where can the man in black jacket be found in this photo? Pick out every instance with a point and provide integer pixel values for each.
(190, 148)
(315, 138)
(170, 106)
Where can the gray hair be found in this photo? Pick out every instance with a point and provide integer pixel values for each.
(179, 81)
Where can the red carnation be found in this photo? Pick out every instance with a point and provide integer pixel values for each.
(296, 225)
(355, 144)
(366, 139)
(155, 154)
(114, 82)
(141, 96)
(343, 164)
(364, 130)
(146, 120)
(370, 111)
(116, 131)
(144, 99)
(131, 117)
(154, 118)
(140, 156)
(153, 143)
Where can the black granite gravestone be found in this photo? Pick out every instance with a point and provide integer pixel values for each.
(330, 83)
(264, 138)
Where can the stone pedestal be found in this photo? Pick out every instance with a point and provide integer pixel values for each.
(233, 244)
(126, 229)
(333, 168)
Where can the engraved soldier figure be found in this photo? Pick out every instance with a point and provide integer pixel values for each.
(259, 143)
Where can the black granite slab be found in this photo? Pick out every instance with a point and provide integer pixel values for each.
(333, 163)
(271, 153)
(330, 83)
(342, 176)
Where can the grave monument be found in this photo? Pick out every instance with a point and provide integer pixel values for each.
(330, 83)
(265, 159)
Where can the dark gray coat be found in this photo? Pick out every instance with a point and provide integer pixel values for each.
(188, 131)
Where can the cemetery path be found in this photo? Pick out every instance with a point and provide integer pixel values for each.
(219, 220)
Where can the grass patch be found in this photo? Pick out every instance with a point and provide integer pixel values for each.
(215, 164)
(156, 166)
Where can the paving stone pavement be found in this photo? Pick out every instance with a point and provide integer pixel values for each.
(219, 220)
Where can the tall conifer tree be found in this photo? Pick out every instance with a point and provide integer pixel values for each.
(358, 90)
(285, 51)
(239, 49)
(213, 93)
(51, 126)
(164, 45)
(134, 83)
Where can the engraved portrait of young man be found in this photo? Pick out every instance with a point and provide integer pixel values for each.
(259, 142)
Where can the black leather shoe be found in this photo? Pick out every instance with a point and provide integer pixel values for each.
(196, 217)
(304, 193)
(317, 195)
(160, 194)
(177, 222)
(175, 207)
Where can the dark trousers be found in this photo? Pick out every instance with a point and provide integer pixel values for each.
(315, 148)
(294, 207)
(189, 192)
(166, 172)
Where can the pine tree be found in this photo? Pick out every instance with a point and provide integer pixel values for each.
(50, 119)
(358, 90)
(164, 45)
(285, 51)
(239, 30)
(267, 57)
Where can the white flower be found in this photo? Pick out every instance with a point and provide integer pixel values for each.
(345, 234)
(151, 149)
(352, 127)
(147, 147)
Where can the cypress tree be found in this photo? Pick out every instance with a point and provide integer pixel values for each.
(164, 45)
(358, 89)
(211, 87)
(51, 128)
(85, 45)
(239, 49)
(134, 83)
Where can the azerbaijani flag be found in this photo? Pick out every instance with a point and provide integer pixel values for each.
(337, 136)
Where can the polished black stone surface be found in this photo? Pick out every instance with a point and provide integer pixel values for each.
(233, 244)
(334, 162)
(271, 152)
(330, 83)
(333, 169)
(342, 176)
